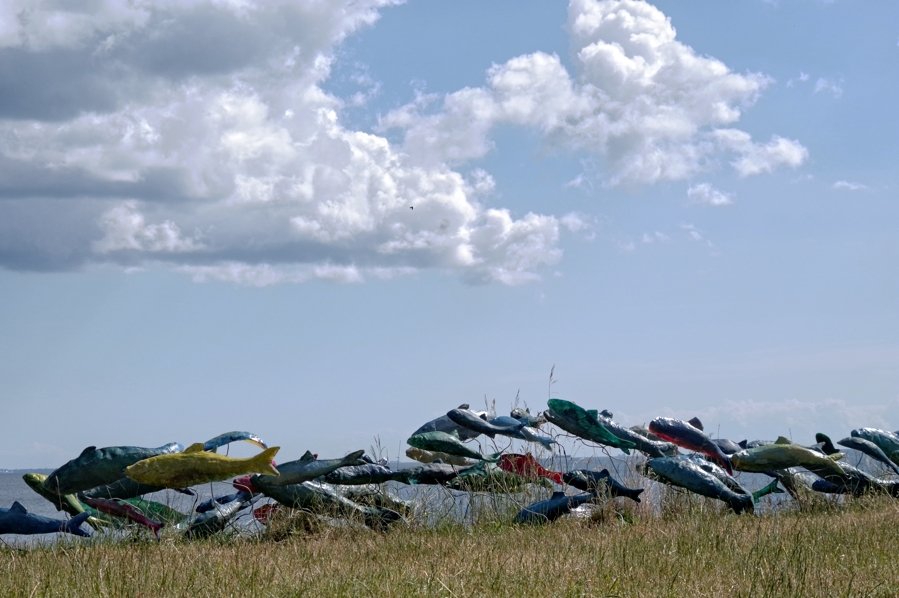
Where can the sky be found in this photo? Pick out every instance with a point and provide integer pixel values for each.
(329, 221)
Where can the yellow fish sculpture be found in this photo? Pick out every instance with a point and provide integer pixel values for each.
(197, 466)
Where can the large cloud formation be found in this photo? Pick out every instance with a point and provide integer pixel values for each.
(198, 134)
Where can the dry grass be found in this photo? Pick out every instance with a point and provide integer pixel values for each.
(620, 552)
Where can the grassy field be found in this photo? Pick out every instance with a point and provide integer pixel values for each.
(693, 550)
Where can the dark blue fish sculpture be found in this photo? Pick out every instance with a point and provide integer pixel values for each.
(17, 520)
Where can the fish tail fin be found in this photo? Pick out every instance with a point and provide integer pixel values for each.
(770, 488)
(73, 525)
(635, 494)
(742, 504)
(264, 461)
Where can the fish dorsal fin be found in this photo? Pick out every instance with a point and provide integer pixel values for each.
(593, 413)
(557, 494)
(782, 440)
(483, 416)
(18, 508)
(87, 451)
(696, 423)
(743, 443)
(836, 456)
(464, 406)
(196, 447)
(307, 457)
(355, 455)
(606, 413)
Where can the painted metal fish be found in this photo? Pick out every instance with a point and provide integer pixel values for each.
(678, 471)
(526, 433)
(446, 443)
(488, 477)
(358, 475)
(213, 444)
(124, 510)
(686, 435)
(527, 466)
(97, 467)
(583, 423)
(324, 499)
(217, 519)
(784, 454)
(17, 520)
(468, 419)
(545, 511)
(869, 448)
(309, 467)
(600, 482)
(196, 466)
(652, 448)
(887, 441)
(423, 456)
(445, 424)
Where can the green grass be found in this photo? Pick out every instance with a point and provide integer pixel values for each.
(692, 551)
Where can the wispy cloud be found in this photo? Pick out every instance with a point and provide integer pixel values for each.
(706, 194)
(850, 186)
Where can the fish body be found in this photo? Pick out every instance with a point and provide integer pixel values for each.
(17, 520)
(783, 454)
(445, 443)
(599, 482)
(552, 508)
(869, 448)
(66, 502)
(216, 519)
(468, 419)
(437, 457)
(887, 441)
(125, 511)
(727, 446)
(528, 467)
(729, 481)
(526, 433)
(488, 477)
(678, 471)
(322, 498)
(196, 466)
(445, 424)
(688, 436)
(432, 474)
(98, 467)
(524, 415)
(583, 423)
(358, 475)
(213, 444)
(651, 448)
(308, 467)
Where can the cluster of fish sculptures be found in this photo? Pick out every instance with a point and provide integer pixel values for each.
(105, 487)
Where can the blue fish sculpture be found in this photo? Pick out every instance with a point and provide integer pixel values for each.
(17, 520)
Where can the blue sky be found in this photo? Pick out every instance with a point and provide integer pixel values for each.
(687, 208)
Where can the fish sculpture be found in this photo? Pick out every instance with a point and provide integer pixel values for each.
(97, 467)
(216, 519)
(468, 419)
(583, 423)
(887, 441)
(125, 488)
(600, 482)
(446, 443)
(309, 467)
(681, 472)
(358, 475)
(66, 502)
(213, 444)
(651, 448)
(445, 424)
(524, 415)
(435, 474)
(324, 499)
(17, 520)
(437, 457)
(545, 511)
(729, 481)
(124, 510)
(783, 454)
(800, 483)
(528, 467)
(526, 433)
(488, 477)
(869, 448)
(688, 436)
(195, 466)
(727, 446)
